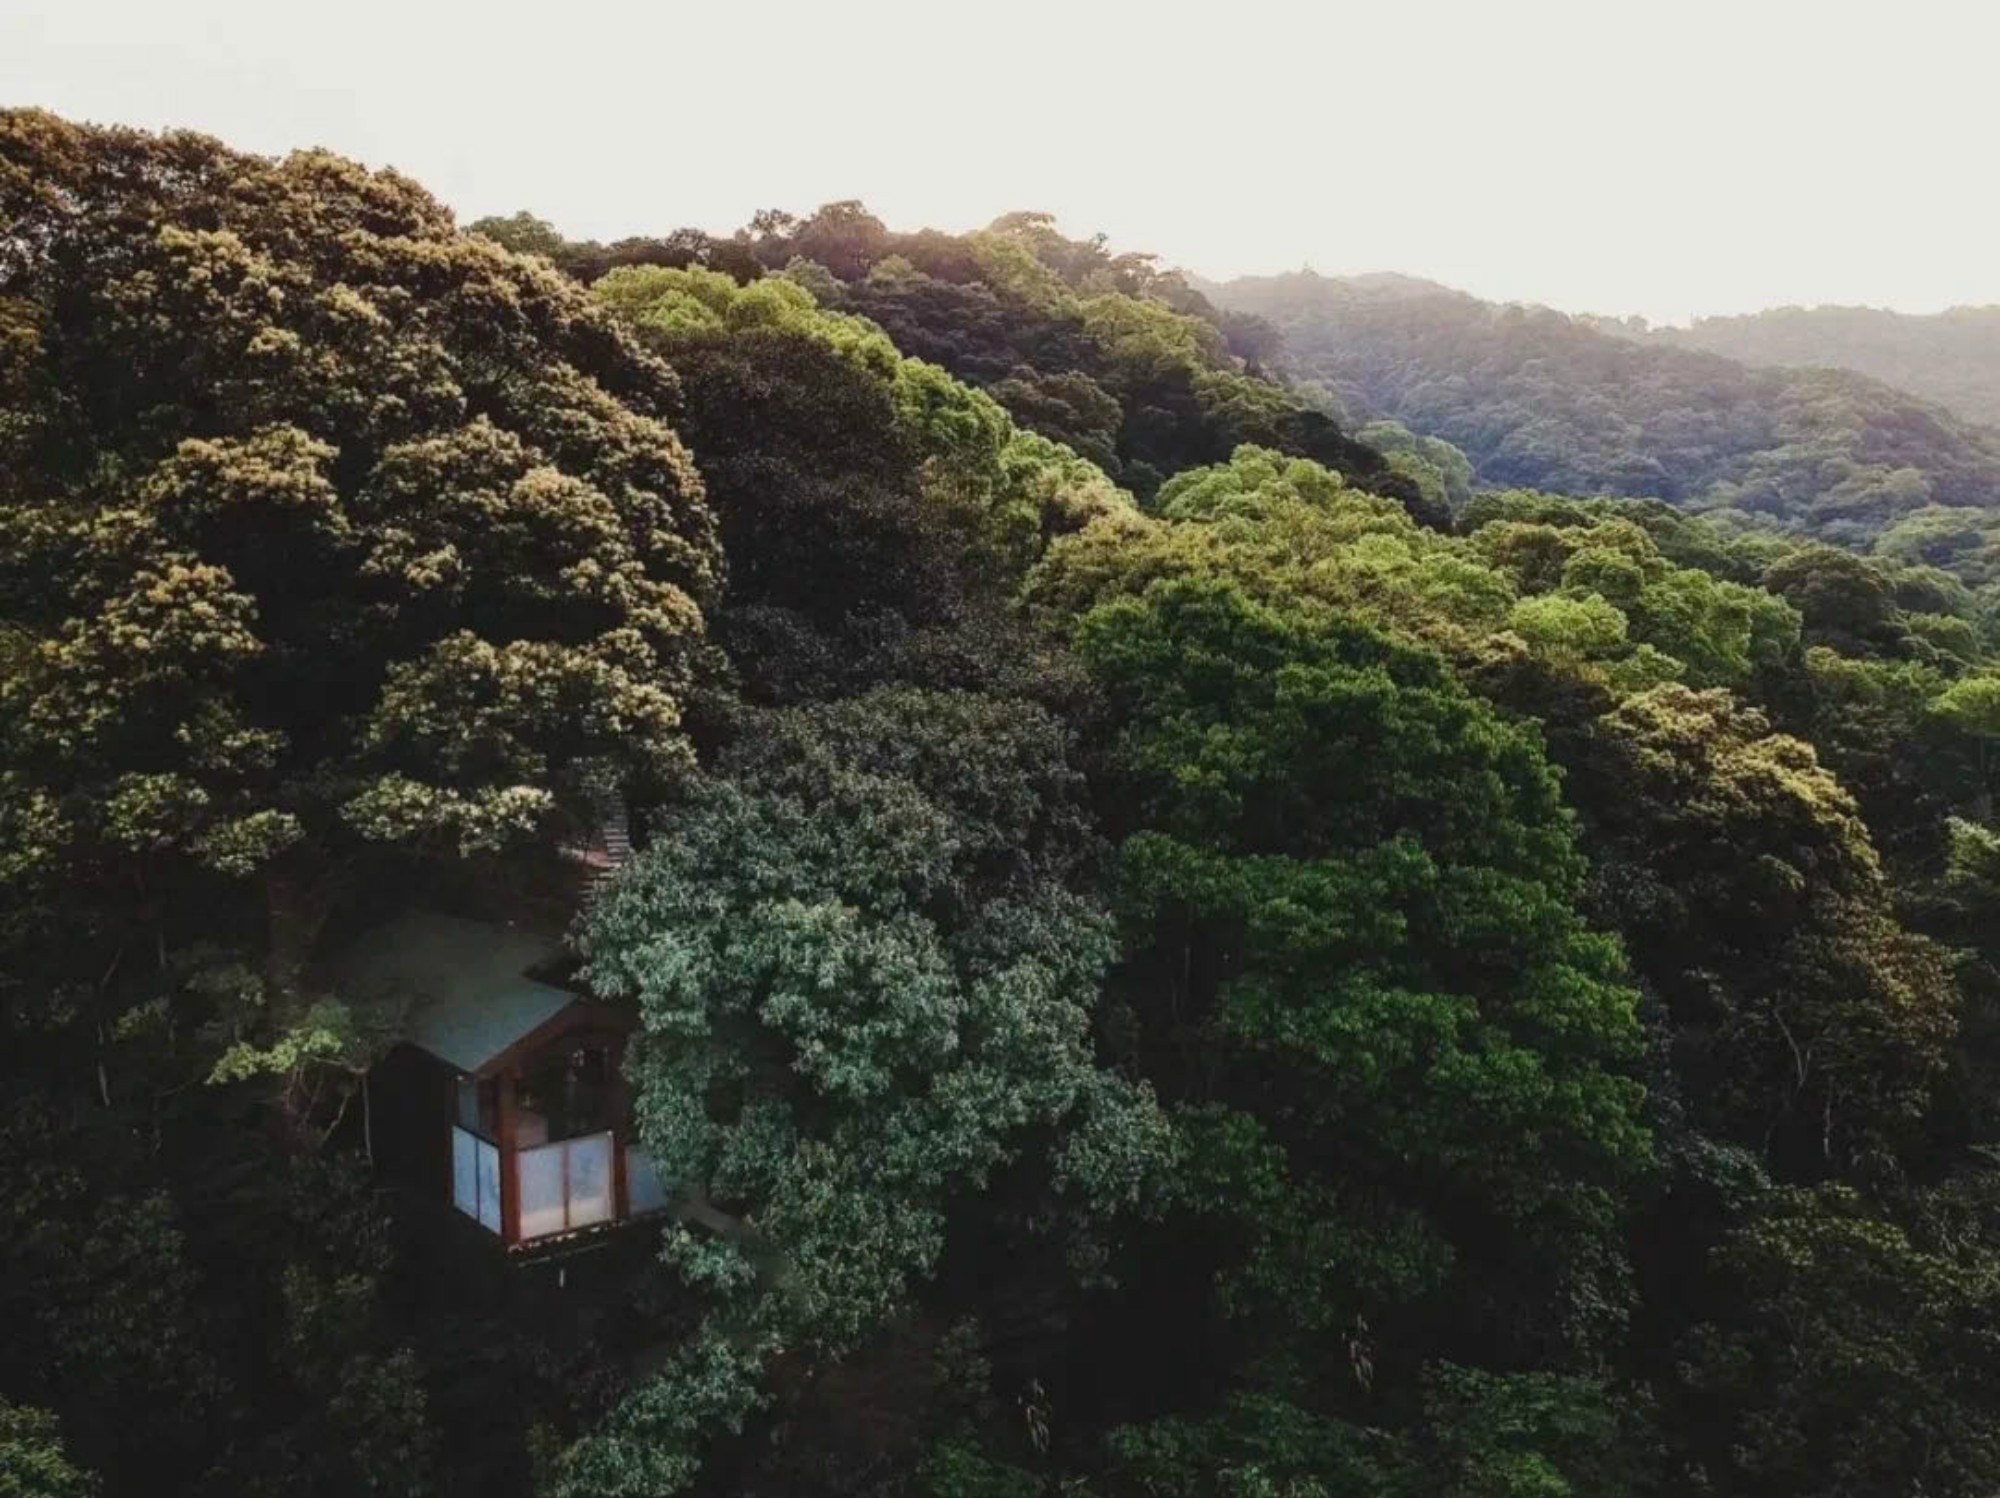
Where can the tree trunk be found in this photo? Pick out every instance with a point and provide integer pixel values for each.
(296, 907)
(297, 900)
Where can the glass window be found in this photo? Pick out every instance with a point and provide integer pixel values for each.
(643, 1188)
(475, 1178)
(489, 1186)
(566, 1094)
(465, 1172)
(479, 1106)
(565, 1185)
(589, 1180)
(539, 1175)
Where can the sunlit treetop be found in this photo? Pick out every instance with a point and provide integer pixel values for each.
(322, 527)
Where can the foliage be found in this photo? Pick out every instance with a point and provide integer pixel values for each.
(1108, 354)
(1327, 928)
(32, 1462)
(1947, 357)
(1862, 1358)
(331, 537)
(1537, 399)
(860, 934)
(1809, 1021)
(1180, 945)
(341, 552)
(1349, 889)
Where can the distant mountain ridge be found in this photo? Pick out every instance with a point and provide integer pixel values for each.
(1536, 398)
(1951, 357)
(1368, 286)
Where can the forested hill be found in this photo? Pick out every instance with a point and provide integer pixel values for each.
(1171, 950)
(1112, 355)
(1537, 398)
(1951, 357)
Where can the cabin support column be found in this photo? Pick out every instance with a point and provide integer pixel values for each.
(621, 1103)
(510, 1183)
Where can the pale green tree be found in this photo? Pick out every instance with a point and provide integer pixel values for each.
(865, 984)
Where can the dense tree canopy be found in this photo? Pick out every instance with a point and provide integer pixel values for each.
(862, 931)
(1542, 400)
(324, 527)
(1182, 942)
(1118, 359)
(335, 543)
(1949, 357)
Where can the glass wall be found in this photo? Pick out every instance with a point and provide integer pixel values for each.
(479, 1106)
(644, 1191)
(565, 1185)
(475, 1153)
(564, 1095)
(563, 1146)
(475, 1178)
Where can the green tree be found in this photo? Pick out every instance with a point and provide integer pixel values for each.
(1971, 709)
(330, 536)
(101, 1301)
(1411, 953)
(1541, 400)
(521, 232)
(1859, 1359)
(1809, 1021)
(1845, 602)
(1021, 487)
(844, 237)
(1355, 962)
(32, 1460)
(1441, 470)
(865, 986)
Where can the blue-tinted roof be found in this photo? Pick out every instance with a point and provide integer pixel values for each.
(468, 982)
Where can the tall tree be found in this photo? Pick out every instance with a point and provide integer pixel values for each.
(329, 534)
(867, 984)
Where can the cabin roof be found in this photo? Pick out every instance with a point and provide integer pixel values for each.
(472, 996)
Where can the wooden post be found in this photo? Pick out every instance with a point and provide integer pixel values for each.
(621, 1201)
(510, 1183)
(448, 1079)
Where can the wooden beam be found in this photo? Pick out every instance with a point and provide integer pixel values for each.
(448, 1182)
(578, 1016)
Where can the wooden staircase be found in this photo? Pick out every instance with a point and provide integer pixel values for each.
(607, 851)
(616, 835)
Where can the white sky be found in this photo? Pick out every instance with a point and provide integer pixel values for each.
(1664, 158)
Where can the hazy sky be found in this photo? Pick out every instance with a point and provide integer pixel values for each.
(1667, 159)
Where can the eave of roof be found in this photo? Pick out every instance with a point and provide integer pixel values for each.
(467, 983)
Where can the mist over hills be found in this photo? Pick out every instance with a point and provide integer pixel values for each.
(1541, 399)
(1951, 357)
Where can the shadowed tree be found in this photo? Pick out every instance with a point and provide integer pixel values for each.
(331, 536)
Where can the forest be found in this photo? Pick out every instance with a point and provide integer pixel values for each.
(1300, 889)
(1951, 357)
(1535, 398)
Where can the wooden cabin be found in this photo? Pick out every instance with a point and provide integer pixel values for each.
(506, 1098)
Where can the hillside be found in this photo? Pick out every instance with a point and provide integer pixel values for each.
(1951, 357)
(825, 861)
(1539, 399)
(1114, 356)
